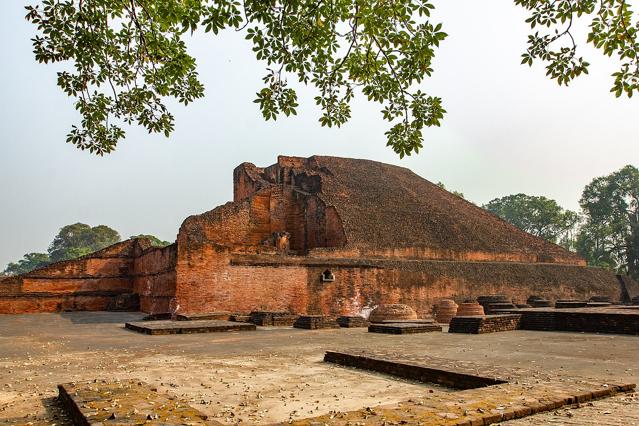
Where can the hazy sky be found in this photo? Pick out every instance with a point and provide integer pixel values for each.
(508, 130)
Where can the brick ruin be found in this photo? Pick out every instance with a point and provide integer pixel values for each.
(318, 235)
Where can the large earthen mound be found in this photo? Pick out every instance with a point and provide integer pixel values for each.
(390, 208)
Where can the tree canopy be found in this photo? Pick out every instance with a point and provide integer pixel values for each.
(539, 216)
(609, 236)
(73, 241)
(155, 241)
(80, 239)
(128, 57)
(28, 263)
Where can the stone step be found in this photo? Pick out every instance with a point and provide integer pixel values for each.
(403, 328)
(187, 327)
(315, 322)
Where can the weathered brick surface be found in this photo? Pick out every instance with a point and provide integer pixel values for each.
(403, 328)
(593, 320)
(387, 236)
(213, 279)
(484, 324)
(123, 403)
(315, 322)
(154, 278)
(187, 327)
(106, 280)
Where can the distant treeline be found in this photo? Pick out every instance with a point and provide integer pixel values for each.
(606, 230)
(71, 242)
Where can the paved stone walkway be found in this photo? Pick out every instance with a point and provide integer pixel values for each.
(621, 410)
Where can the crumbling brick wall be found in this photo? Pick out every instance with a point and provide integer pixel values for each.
(87, 283)
(154, 278)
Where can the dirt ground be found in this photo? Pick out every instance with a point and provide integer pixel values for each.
(276, 374)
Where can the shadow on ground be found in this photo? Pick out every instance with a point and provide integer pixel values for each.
(101, 317)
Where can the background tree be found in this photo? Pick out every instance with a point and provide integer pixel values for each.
(80, 239)
(73, 241)
(155, 241)
(28, 263)
(442, 186)
(539, 216)
(610, 234)
(127, 57)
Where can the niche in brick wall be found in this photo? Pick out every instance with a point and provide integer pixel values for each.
(327, 276)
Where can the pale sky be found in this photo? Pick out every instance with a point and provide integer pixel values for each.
(508, 130)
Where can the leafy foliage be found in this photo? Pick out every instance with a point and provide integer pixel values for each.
(28, 263)
(80, 239)
(539, 216)
(614, 29)
(74, 241)
(128, 55)
(155, 241)
(610, 234)
(459, 194)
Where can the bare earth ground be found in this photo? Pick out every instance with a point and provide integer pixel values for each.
(277, 374)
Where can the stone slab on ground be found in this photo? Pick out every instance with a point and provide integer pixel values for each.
(158, 317)
(612, 319)
(403, 328)
(409, 321)
(222, 315)
(315, 322)
(240, 318)
(566, 304)
(484, 324)
(187, 327)
(354, 321)
(273, 318)
(126, 402)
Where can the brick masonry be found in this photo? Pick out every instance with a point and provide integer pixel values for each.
(403, 328)
(187, 327)
(484, 324)
(488, 396)
(128, 402)
(591, 320)
(383, 233)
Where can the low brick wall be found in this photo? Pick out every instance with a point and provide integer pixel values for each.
(57, 302)
(614, 321)
(410, 371)
(486, 324)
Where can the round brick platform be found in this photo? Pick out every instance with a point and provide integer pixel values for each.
(445, 311)
(469, 309)
(392, 312)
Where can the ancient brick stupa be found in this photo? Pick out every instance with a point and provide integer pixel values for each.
(318, 235)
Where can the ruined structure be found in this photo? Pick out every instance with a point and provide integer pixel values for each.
(319, 235)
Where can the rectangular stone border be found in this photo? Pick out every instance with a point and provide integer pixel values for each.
(450, 379)
(187, 327)
(76, 399)
(403, 328)
(411, 412)
(518, 412)
(484, 324)
(71, 407)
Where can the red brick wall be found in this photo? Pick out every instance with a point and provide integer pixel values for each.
(53, 303)
(87, 283)
(212, 280)
(207, 283)
(154, 278)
